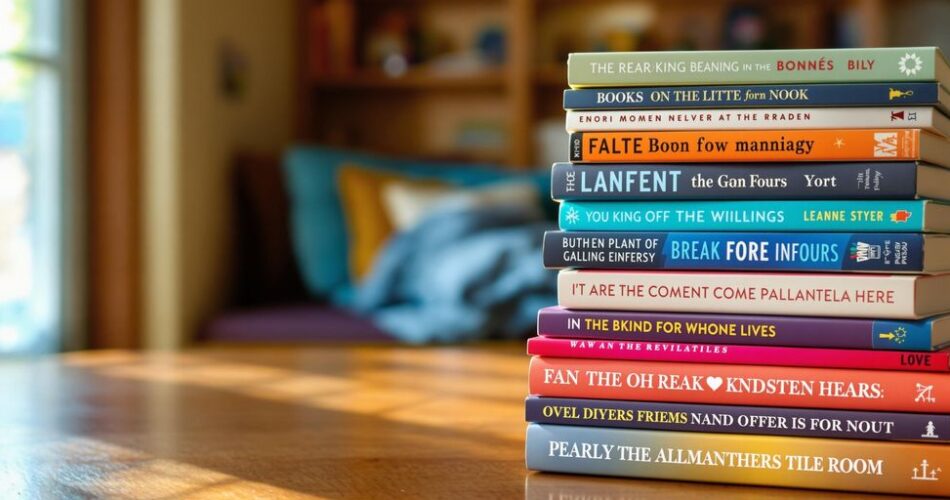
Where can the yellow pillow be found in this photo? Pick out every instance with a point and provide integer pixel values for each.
(367, 222)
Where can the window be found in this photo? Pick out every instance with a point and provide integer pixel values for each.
(31, 168)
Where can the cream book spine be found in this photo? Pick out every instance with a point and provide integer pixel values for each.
(922, 117)
(792, 294)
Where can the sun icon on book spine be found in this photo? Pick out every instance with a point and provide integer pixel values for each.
(910, 64)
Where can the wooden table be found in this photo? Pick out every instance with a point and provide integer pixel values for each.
(337, 422)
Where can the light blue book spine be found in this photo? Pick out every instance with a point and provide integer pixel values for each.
(816, 216)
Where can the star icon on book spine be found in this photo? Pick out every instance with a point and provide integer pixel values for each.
(839, 143)
(572, 216)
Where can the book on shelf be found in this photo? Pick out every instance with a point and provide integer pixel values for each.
(925, 118)
(745, 329)
(806, 252)
(729, 419)
(754, 216)
(759, 146)
(831, 464)
(750, 181)
(892, 64)
(733, 96)
(685, 352)
(880, 296)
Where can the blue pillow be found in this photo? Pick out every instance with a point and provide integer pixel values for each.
(318, 231)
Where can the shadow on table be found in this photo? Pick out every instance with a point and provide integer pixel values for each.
(336, 423)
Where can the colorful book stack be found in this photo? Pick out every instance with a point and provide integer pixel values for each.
(754, 252)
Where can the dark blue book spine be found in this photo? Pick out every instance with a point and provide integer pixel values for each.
(710, 181)
(718, 96)
(884, 426)
(811, 252)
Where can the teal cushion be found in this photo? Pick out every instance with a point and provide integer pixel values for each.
(317, 228)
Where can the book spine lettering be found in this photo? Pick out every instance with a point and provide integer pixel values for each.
(784, 215)
(867, 252)
(795, 294)
(742, 329)
(721, 96)
(831, 464)
(745, 146)
(804, 422)
(875, 180)
(609, 69)
(750, 119)
(739, 354)
(707, 383)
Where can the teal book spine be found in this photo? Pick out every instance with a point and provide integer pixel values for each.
(619, 69)
(815, 216)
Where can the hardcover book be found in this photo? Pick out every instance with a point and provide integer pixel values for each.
(750, 181)
(743, 329)
(622, 69)
(767, 216)
(856, 252)
(680, 417)
(707, 383)
(832, 464)
(679, 352)
(929, 119)
(731, 96)
(759, 146)
(793, 294)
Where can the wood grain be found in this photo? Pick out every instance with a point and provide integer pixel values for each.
(332, 422)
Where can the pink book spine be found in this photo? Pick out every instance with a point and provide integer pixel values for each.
(740, 354)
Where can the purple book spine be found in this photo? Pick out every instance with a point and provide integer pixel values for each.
(843, 333)
(883, 426)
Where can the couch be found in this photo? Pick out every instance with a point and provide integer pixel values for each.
(281, 293)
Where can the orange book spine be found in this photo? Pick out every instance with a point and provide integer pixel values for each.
(746, 146)
(738, 385)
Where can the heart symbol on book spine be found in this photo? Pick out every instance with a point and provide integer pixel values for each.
(714, 382)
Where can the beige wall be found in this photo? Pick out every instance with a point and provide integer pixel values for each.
(190, 136)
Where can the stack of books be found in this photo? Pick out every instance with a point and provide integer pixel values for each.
(754, 252)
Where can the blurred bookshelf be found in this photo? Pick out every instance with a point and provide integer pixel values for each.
(413, 79)
(482, 80)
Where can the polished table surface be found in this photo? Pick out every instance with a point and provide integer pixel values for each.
(332, 422)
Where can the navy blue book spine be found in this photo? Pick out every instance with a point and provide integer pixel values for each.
(802, 252)
(718, 96)
(883, 426)
(710, 181)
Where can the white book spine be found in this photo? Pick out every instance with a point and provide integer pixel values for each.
(850, 295)
(753, 119)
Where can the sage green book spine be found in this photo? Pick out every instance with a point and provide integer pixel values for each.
(622, 69)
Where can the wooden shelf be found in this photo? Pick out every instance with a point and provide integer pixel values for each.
(425, 109)
(413, 80)
(551, 76)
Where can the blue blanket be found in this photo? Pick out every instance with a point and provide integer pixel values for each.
(461, 275)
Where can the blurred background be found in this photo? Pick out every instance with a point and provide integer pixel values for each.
(179, 171)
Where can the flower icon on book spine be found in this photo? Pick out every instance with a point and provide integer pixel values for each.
(910, 64)
(572, 216)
